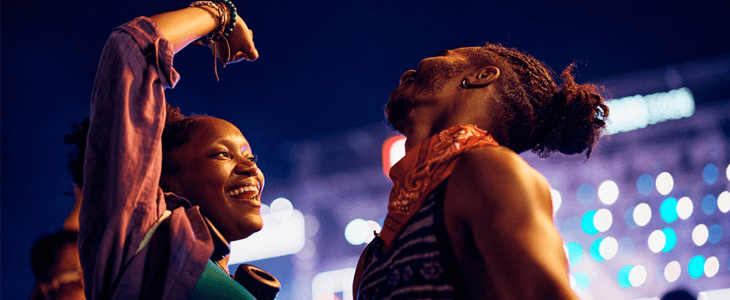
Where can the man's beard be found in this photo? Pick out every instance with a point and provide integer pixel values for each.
(429, 83)
(397, 110)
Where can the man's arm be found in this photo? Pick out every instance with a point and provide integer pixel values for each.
(498, 214)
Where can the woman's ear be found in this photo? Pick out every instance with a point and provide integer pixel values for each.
(482, 77)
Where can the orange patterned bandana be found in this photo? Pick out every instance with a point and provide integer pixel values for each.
(423, 168)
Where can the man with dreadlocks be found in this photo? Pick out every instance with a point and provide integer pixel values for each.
(467, 217)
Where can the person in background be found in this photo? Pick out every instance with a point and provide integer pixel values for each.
(55, 258)
(75, 165)
(468, 218)
(55, 263)
(164, 194)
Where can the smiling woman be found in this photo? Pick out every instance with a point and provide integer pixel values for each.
(165, 193)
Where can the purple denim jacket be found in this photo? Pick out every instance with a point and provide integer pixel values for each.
(122, 198)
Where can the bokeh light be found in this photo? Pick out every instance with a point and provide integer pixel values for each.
(710, 173)
(586, 223)
(608, 248)
(311, 225)
(595, 250)
(281, 209)
(709, 204)
(684, 208)
(671, 239)
(672, 271)
(664, 183)
(714, 234)
(629, 217)
(602, 220)
(642, 214)
(723, 202)
(712, 266)
(586, 194)
(608, 192)
(575, 252)
(581, 281)
(373, 227)
(623, 276)
(668, 210)
(696, 266)
(357, 231)
(700, 234)
(657, 240)
(637, 275)
(645, 184)
(727, 172)
(557, 199)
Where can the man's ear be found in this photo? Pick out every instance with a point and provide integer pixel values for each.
(482, 77)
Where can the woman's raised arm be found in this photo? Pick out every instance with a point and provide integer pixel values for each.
(181, 27)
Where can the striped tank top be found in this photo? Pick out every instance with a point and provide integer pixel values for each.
(419, 265)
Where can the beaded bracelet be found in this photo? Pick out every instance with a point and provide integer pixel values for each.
(232, 24)
(226, 21)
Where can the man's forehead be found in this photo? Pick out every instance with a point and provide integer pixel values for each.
(467, 50)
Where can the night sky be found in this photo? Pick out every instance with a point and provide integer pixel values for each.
(325, 67)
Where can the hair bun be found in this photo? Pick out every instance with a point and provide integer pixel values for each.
(576, 120)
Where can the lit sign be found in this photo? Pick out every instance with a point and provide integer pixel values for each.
(636, 112)
(394, 148)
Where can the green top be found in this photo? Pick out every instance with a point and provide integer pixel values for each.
(216, 284)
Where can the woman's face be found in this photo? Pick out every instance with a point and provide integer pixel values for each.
(218, 172)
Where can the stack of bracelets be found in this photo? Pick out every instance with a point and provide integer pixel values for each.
(227, 21)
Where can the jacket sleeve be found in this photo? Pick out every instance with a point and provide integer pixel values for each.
(124, 153)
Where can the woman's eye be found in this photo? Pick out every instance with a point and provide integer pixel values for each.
(223, 154)
(253, 158)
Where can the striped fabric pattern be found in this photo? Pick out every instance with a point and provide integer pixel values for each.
(419, 265)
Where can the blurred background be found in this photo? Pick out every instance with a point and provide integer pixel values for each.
(647, 213)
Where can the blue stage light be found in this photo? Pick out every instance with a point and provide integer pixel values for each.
(671, 238)
(710, 173)
(629, 217)
(668, 210)
(595, 250)
(575, 253)
(715, 234)
(587, 223)
(709, 204)
(623, 276)
(645, 184)
(586, 194)
(696, 266)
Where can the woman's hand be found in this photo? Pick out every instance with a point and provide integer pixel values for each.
(240, 45)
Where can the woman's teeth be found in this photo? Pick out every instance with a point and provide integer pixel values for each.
(244, 189)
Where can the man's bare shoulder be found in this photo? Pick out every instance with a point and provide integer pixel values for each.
(498, 178)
